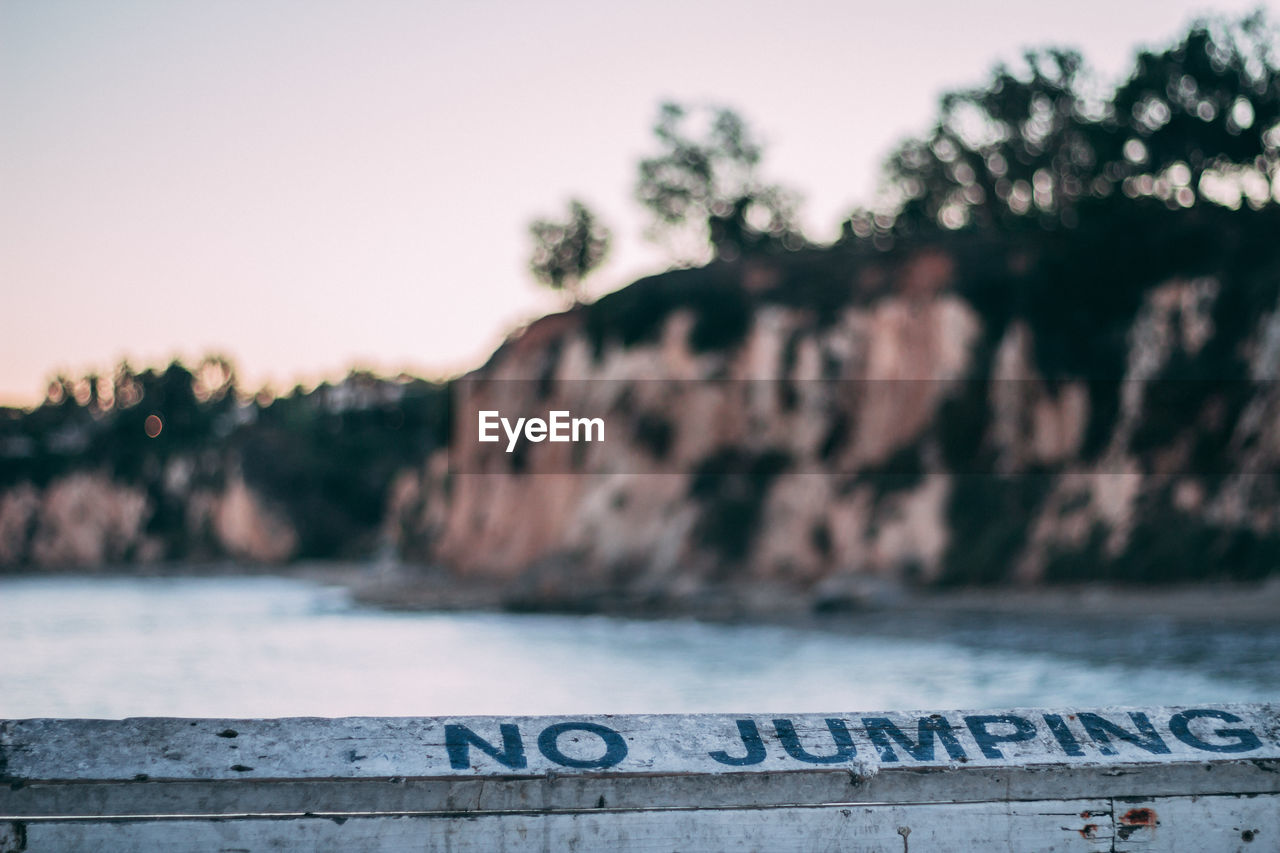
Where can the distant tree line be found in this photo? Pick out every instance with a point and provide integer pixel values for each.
(324, 456)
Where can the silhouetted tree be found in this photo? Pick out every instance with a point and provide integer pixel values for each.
(1203, 117)
(566, 251)
(1021, 145)
(1200, 120)
(706, 190)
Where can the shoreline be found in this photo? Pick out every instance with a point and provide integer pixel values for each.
(397, 586)
(1238, 603)
(402, 587)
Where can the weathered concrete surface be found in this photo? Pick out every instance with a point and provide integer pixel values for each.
(1068, 779)
(117, 767)
(1154, 825)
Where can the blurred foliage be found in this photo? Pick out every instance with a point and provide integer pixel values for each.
(989, 517)
(722, 310)
(704, 188)
(566, 251)
(1198, 121)
(731, 487)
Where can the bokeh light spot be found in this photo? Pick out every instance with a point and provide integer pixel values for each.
(153, 425)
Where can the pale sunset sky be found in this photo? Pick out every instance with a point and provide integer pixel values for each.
(311, 186)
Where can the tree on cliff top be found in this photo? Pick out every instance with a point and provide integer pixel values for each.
(1199, 120)
(705, 188)
(566, 251)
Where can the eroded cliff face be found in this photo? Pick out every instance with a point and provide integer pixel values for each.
(819, 427)
(87, 520)
(900, 440)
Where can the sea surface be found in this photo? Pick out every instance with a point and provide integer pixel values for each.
(111, 647)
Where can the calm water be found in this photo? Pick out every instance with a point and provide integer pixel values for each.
(247, 647)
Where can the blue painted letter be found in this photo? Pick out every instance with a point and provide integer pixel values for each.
(459, 739)
(615, 748)
(1101, 730)
(1063, 735)
(750, 735)
(1245, 740)
(839, 733)
(883, 733)
(1022, 730)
